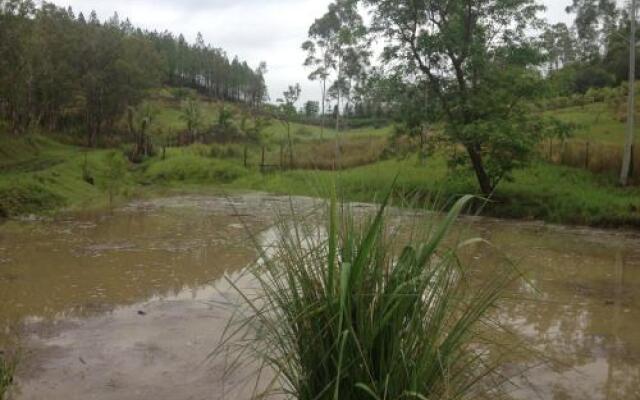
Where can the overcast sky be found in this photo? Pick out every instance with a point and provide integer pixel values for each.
(255, 30)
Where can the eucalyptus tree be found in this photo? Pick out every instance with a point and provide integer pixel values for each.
(322, 62)
(560, 45)
(311, 108)
(62, 72)
(337, 45)
(287, 112)
(257, 86)
(594, 19)
(477, 59)
(354, 72)
(15, 31)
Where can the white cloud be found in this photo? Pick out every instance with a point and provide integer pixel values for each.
(255, 30)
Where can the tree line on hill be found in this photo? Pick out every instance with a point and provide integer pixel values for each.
(63, 72)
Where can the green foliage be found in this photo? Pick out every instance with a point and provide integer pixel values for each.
(351, 311)
(311, 108)
(480, 83)
(60, 72)
(227, 130)
(180, 94)
(18, 198)
(256, 133)
(592, 77)
(194, 169)
(303, 131)
(112, 179)
(225, 116)
(225, 151)
(7, 371)
(192, 116)
(39, 175)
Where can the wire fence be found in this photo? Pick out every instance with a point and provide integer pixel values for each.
(597, 157)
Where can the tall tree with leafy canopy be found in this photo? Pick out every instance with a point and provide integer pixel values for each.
(478, 60)
(322, 62)
(339, 37)
(594, 19)
(559, 44)
(15, 66)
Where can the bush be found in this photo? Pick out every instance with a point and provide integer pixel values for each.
(592, 76)
(342, 315)
(191, 168)
(18, 198)
(180, 94)
(303, 131)
(225, 151)
(111, 178)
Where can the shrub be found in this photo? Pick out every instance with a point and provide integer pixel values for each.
(324, 155)
(191, 168)
(225, 151)
(342, 315)
(180, 94)
(7, 370)
(111, 179)
(17, 198)
(303, 131)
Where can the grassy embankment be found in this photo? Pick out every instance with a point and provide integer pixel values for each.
(37, 175)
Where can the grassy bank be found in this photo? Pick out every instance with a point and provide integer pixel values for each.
(39, 175)
(551, 193)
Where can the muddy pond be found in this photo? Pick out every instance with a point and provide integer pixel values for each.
(126, 304)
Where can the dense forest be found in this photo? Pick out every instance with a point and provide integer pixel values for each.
(62, 71)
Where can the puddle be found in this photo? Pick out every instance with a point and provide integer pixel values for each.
(125, 305)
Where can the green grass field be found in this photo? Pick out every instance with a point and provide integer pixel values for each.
(169, 111)
(594, 122)
(40, 175)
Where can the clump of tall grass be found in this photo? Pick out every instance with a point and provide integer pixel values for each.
(362, 308)
(350, 153)
(7, 369)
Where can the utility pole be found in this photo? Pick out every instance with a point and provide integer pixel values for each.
(631, 112)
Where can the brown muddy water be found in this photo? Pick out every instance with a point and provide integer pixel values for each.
(129, 304)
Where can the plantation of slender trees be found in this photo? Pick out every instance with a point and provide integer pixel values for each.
(71, 73)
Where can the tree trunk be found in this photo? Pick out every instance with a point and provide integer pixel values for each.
(481, 174)
(324, 91)
(631, 113)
